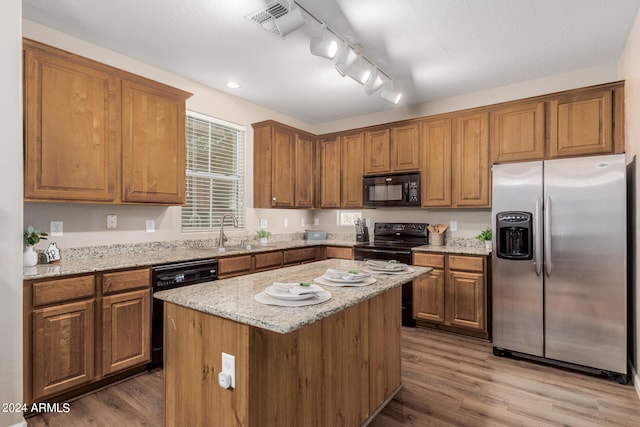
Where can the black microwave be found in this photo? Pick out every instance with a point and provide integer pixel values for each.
(398, 190)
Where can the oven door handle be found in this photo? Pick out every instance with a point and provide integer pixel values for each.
(390, 253)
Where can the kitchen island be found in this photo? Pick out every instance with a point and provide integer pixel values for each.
(334, 363)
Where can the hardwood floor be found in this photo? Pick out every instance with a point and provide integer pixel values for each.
(449, 381)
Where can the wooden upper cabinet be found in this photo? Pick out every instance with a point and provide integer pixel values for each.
(376, 151)
(517, 132)
(283, 168)
(72, 127)
(405, 147)
(94, 133)
(435, 155)
(582, 123)
(470, 161)
(153, 143)
(352, 170)
(304, 171)
(330, 174)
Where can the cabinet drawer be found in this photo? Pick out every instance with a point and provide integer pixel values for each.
(125, 280)
(267, 260)
(52, 291)
(293, 256)
(467, 263)
(428, 260)
(339, 252)
(234, 266)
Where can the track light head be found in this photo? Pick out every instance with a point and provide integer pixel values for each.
(323, 47)
(360, 71)
(393, 96)
(290, 22)
(346, 57)
(376, 82)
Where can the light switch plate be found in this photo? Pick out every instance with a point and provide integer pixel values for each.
(453, 225)
(151, 226)
(316, 220)
(302, 223)
(263, 222)
(55, 228)
(285, 222)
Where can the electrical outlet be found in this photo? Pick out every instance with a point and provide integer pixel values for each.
(302, 222)
(263, 222)
(229, 367)
(316, 220)
(285, 222)
(112, 221)
(55, 228)
(151, 226)
(453, 225)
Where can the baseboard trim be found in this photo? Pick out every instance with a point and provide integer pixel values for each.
(636, 379)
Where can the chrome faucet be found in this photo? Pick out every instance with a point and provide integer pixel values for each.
(223, 238)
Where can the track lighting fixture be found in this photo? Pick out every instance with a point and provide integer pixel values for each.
(323, 46)
(360, 71)
(289, 22)
(346, 57)
(393, 96)
(377, 80)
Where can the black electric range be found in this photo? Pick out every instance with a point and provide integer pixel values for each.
(394, 240)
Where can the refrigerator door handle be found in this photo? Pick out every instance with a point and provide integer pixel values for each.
(537, 233)
(547, 236)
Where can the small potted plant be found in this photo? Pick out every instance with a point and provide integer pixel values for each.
(30, 237)
(486, 235)
(263, 235)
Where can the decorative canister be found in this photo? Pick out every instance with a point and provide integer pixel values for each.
(29, 257)
(436, 239)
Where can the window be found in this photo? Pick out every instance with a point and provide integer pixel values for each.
(348, 217)
(215, 178)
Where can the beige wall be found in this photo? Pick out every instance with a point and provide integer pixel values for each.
(11, 208)
(630, 72)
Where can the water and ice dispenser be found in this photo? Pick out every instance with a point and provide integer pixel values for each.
(514, 238)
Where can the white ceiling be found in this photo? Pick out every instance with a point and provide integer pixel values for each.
(433, 49)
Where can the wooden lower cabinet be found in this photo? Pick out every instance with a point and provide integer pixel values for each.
(300, 255)
(268, 260)
(235, 266)
(341, 252)
(63, 348)
(454, 296)
(70, 343)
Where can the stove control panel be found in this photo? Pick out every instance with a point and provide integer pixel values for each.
(400, 228)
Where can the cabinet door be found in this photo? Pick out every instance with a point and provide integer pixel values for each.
(304, 171)
(63, 347)
(405, 148)
(581, 124)
(72, 128)
(268, 260)
(466, 300)
(435, 169)
(340, 252)
(429, 296)
(376, 151)
(126, 330)
(470, 161)
(283, 168)
(153, 144)
(330, 172)
(352, 170)
(234, 266)
(517, 132)
(300, 256)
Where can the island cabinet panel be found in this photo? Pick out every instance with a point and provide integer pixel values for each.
(192, 360)
(63, 348)
(384, 346)
(435, 155)
(517, 132)
(470, 170)
(72, 128)
(405, 147)
(153, 143)
(330, 174)
(345, 343)
(274, 399)
(377, 149)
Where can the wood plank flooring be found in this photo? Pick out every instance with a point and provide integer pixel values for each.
(449, 381)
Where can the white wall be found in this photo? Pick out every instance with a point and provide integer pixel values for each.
(11, 208)
(630, 72)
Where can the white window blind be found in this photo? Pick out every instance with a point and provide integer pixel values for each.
(215, 176)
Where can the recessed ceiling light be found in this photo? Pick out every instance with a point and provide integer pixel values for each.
(233, 85)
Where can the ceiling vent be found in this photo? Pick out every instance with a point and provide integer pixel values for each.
(278, 17)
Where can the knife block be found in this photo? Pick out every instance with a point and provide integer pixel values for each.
(364, 236)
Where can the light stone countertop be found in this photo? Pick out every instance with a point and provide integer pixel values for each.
(233, 298)
(454, 249)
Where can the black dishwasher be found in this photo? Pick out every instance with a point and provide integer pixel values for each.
(171, 276)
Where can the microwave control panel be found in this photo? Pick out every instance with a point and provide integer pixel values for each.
(413, 191)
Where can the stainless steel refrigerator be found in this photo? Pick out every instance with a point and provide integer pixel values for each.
(559, 261)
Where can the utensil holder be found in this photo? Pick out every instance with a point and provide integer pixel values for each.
(436, 239)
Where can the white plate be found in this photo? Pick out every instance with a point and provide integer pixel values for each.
(341, 280)
(276, 293)
(385, 271)
(366, 282)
